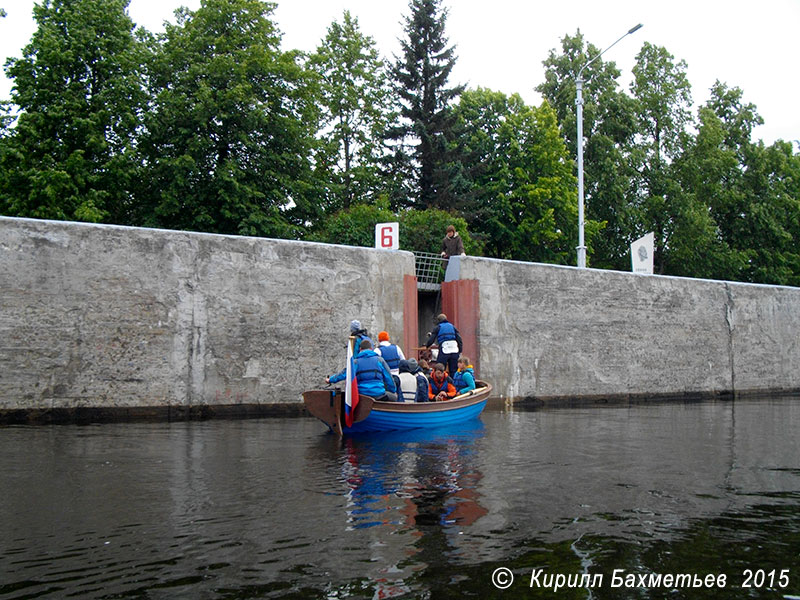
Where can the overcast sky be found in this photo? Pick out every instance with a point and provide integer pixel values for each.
(501, 43)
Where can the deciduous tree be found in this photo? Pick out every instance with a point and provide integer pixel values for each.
(355, 102)
(228, 138)
(521, 175)
(609, 125)
(79, 92)
(663, 100)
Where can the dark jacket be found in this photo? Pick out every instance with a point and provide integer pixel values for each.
(444, 331)
(452, 246)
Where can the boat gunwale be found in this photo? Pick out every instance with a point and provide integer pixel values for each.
(478, 395)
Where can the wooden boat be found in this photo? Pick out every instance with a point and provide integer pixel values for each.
(370, 415)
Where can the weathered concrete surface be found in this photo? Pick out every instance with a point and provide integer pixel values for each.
(124, 317)
(549, 332)
(169, 323)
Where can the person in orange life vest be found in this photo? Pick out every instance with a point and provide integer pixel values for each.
(464, 379)
(449, 341)
(391, 353)
(440, 386)
(371, 373)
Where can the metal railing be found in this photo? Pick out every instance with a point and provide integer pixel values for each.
(430, 270)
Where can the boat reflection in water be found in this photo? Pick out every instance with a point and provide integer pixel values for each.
(410, 493)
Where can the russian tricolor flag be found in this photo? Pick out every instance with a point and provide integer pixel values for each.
(350, 388)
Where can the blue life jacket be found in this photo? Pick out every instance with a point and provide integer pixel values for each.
(446, 332)
(370, 374)
(368, 368)
(360, 336)
(390, 355)
(464, 380)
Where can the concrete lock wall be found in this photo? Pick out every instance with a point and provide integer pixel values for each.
(556, 333)
(123, 318)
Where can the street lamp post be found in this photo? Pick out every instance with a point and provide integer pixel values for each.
(579, 102)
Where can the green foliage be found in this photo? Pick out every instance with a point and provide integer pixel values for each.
(354, 226)
(420, 230)
(227, 140)
(212, 127)
(609, 122)
(423, 152)
(354, 96)
(79, 90)
(423, 231)
(663, 98)
(523, 200)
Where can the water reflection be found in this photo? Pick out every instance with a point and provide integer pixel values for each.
(413, 491)
(277, 508)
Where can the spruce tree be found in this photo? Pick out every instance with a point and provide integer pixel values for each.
(424, 158)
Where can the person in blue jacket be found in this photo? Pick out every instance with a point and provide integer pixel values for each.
(449, 341)
(371, 373)
(359, 333)
(464, 379)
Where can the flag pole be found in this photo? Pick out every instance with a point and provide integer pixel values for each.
(350, 388)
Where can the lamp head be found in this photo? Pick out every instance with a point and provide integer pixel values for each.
(633, 29)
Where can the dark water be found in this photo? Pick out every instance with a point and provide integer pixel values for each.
(277, 509)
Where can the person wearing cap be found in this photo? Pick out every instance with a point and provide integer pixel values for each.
(413, 383)
(440, 386)
(449, 341)
(360, 334)
(391, 353)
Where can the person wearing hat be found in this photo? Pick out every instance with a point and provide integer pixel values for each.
(391, 353)
(360, 334)
(413, 383)
(449, 341)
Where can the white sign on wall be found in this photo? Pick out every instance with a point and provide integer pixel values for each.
(387, 236)
(642, 254)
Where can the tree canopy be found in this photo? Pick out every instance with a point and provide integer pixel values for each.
(79, 91)
(356, 101)
(213, 126)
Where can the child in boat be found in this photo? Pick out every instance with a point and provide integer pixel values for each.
(464, 378)
(440, 386)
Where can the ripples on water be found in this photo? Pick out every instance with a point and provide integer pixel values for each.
(277, 508)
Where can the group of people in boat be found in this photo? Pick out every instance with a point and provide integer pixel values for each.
(384, 373)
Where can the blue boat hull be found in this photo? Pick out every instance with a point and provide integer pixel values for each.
(380, 420)
(371, 416)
